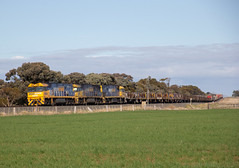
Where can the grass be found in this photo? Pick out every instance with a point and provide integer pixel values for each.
(206, 138)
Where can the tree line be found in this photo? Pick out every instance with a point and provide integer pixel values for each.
(13, 90)
(235, 93)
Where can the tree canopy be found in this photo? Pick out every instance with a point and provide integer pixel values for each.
(33, 73)
(75, 78)
(235, 93)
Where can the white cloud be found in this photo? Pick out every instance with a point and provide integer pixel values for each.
(114, 53)
(18, 57)
(175, 61)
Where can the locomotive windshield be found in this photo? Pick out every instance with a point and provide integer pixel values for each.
(36, 89)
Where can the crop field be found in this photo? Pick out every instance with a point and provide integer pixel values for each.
(197, 138)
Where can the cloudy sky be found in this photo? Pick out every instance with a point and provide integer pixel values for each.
(192, 42)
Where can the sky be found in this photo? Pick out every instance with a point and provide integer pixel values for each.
(194, 42)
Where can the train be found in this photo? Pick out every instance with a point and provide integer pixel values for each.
(40, 94)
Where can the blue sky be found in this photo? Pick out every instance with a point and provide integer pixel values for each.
(192, 41)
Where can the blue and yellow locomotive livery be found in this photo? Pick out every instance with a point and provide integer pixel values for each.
(50, 94)
(58, 93)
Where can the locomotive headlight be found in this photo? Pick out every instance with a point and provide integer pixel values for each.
(35, 94)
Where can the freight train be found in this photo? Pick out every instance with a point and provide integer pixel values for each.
(72, 94)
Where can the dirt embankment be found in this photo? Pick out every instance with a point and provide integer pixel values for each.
(229, 100)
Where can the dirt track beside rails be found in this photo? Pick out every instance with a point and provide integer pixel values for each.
(229, 100)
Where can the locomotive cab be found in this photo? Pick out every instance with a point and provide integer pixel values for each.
(36, 93)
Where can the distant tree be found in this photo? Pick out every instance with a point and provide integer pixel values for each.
(166, 81)
(153, 85)
(1, 83)
(93, 79)
(100, 79)
(75, 78)
(125, 80)
(235, 93)
(162, 87)
(191, 90)
(11, 75)
(141, 85)
(9, 96)
(55, 77)
(36, 72)
(122, 79)
(3, 100)
(131, 87)
(108, 79)
(175, 89)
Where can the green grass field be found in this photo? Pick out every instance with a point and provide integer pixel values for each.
(206, 138)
